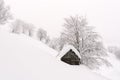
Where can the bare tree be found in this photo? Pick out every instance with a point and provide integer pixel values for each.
(4, 12)
(85, 40)
(41, 34)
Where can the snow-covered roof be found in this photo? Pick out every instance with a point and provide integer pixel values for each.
(65, 49)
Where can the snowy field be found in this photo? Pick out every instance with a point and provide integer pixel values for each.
(32, 53)
(113, 72)
(23, 58)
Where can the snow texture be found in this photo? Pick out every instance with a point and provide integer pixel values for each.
(23, 58)
(113, 73)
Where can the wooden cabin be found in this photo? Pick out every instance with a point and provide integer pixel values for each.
(70, 55)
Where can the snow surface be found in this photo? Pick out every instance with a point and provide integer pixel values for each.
(23, 58)
(113, 72)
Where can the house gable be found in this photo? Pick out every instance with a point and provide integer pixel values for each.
(69, 55)
(71, 58)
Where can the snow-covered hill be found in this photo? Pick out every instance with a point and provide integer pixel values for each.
(113, 72)
(23, 58)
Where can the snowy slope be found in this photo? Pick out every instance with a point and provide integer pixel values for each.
(113, 72)
(23, 58)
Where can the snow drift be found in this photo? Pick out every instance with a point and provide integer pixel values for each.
(23, 58)
(113, 72)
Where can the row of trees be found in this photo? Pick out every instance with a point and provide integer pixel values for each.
(19, 26)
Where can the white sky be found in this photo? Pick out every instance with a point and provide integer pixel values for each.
(50, 14)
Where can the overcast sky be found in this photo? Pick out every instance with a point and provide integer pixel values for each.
(50, 14)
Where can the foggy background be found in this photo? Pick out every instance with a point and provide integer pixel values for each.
(50, 14)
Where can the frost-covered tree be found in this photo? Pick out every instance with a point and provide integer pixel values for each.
(31, 30)
(85, 40)
(4, 12)
(55, 44)
(117, 53)
(114, 50)
(28, 29)
(41, 34)
(47, 40)
(19, 26)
